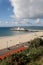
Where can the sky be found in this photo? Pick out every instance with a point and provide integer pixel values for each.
(21, 13)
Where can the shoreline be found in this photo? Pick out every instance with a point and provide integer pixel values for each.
(18, 39)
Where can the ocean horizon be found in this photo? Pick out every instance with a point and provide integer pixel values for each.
(5, 31)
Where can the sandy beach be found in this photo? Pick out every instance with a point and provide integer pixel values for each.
(18, 39)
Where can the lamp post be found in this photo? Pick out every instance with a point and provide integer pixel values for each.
(7, 46)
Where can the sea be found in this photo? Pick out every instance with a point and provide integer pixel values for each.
(6, 31)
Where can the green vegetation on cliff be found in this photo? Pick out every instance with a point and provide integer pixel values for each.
(31, 56)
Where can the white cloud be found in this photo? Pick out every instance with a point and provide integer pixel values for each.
(22, 22)
(0, 22)
(38, 21)
(27, 8)
(25, 21)
(12, 16)
(6, 22)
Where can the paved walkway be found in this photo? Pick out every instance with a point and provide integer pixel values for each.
(11, 50)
